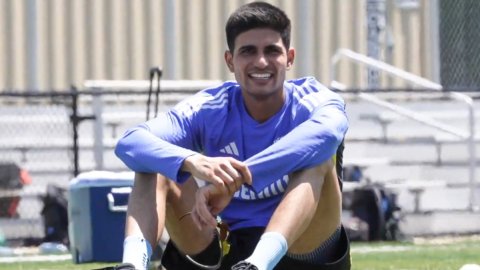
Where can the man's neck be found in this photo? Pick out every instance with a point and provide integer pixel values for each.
(262, 108)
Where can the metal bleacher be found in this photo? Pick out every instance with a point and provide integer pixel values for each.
(423, 148)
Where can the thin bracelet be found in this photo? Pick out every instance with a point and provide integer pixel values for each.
(184, 215)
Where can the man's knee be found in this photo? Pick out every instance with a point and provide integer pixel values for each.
(315, 175)
(321, 170)
(147, 188)
(147, 183)
(179, 193)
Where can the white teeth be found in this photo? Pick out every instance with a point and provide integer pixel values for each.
(261, 75)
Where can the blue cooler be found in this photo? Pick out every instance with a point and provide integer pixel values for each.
(96, 213)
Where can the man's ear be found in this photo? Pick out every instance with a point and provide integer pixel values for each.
(290, 57)
(229, 60)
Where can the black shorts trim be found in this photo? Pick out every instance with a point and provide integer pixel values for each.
(173, 259)
(243, 242)
(343, 261)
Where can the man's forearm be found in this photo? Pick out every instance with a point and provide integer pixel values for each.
(142, 151)
(310, 144)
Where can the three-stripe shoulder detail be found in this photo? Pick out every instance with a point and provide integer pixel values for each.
(218, 100)
(311, 96)
(204, 100)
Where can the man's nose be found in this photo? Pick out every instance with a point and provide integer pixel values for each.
(261, 61)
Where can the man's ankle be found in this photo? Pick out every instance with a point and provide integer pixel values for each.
(137, 251)
(269, 251)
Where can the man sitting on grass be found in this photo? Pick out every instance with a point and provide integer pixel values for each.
(266, 148)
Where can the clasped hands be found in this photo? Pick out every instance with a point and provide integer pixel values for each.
(225, 176)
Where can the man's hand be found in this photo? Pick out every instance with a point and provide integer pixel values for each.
(224, 172)
(209, 202)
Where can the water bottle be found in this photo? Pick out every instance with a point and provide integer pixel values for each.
(6, 251)
(52, 248)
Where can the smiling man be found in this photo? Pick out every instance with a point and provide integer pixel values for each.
(265, 147)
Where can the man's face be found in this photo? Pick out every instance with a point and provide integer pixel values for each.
(259, 62)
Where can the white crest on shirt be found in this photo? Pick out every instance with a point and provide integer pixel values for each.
(274, 189)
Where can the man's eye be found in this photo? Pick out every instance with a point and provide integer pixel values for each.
(273, 51)
(247, 51)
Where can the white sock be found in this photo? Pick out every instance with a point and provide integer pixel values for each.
(137, 251)
(269, 251)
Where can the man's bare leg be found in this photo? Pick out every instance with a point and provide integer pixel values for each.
(317, 193)
(184, 233)
(155, 202)
(146, 207)
(323, 209)
(143, 225)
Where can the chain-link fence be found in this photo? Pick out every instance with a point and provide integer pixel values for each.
(460, 43)
(36, 136)
(55, 136)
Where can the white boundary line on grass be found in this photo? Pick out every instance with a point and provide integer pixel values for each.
(363, 249)
(63, 257)
(36, 258)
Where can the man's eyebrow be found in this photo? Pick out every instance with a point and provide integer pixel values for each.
(273, 46)
(246, 47)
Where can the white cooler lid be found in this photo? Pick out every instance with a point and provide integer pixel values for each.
(102, 179)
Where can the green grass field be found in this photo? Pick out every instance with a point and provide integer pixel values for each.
(416, 255)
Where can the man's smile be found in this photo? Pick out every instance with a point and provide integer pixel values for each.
(263, 76)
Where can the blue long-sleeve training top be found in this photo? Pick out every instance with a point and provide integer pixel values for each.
(305, 132)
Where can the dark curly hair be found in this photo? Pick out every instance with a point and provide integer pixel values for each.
(257, 15)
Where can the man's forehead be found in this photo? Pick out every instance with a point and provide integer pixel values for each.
(258, 38)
